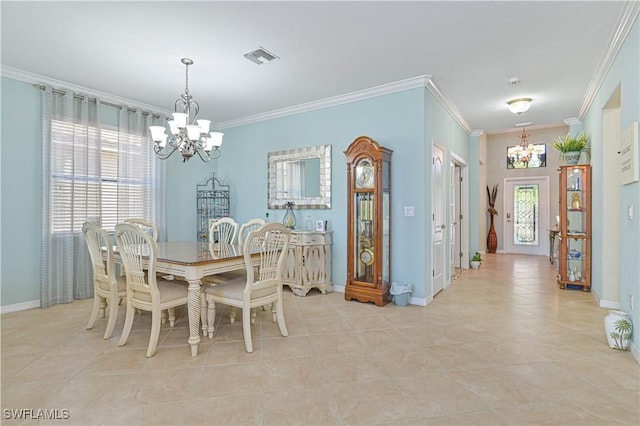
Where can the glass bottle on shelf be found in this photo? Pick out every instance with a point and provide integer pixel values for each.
(308, 224)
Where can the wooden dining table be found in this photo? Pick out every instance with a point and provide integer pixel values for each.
(193, 261)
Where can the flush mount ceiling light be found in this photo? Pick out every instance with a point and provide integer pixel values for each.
(188, 134)
(519, 105)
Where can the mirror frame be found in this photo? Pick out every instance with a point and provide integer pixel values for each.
(323, 152)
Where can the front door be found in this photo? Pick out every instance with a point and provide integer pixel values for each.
(438, 218)
(526, 215)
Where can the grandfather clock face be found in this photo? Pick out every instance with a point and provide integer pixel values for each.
(365, 176)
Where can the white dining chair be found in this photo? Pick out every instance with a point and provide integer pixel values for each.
(247, 227)
(108, 288)
(144, 290)
(223, 231)
(260, 285)
(145, 225)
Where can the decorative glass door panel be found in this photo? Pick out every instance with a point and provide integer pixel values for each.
(526, 208)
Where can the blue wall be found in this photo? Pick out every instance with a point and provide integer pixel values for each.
(20, 175)
(398, 121)
(624, 72)
(395, 121)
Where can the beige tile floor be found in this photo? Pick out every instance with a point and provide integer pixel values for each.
(502, 345)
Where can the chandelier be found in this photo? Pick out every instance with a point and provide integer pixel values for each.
(524, 141)
(189, 135)
(526, 154)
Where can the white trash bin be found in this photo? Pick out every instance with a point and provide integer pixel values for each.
(401, 292)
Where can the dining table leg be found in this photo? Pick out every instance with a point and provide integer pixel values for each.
(194, 315)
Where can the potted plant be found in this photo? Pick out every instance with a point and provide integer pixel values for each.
(571, 147)
(476, 260)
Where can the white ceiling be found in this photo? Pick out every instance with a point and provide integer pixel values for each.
(326, 49)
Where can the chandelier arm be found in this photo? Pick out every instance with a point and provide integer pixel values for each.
(196, 107)
(164, 155)
(215, 153)
(206, 157)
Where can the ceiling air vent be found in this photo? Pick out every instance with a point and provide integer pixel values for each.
(260, 56)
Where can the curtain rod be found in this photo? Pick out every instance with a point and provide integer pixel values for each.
(75, 95)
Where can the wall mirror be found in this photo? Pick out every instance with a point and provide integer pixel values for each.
(301, 175)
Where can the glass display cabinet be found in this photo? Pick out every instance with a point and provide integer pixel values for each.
(574, 245)
(368, 219)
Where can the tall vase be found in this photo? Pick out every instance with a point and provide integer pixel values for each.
(492, 238)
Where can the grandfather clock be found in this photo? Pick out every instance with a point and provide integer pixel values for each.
(368, 222)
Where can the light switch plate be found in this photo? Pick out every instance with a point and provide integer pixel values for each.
(408, 211)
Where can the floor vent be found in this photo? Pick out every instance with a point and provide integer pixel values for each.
(260, 56)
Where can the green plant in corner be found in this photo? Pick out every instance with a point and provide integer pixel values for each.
(477, 257)
(568, 143)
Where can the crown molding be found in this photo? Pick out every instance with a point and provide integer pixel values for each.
(384, 89)
(476, 133)
(448, 105)
(628, 18)
(571, 121)
(398, 86)
(37, 79)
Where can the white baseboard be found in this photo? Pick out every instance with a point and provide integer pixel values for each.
(420, 301)
(20, 306)
(609, 304)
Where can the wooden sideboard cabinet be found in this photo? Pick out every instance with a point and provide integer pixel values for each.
(308, 262)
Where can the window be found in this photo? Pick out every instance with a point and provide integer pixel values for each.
(526, 157)
(97, 165)
(88, 183)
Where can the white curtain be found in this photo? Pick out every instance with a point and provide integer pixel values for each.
(141, 189)
(103, 172)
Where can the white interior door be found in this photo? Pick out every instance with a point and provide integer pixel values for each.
(526, 215)
(454, 247)
(438, 218)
